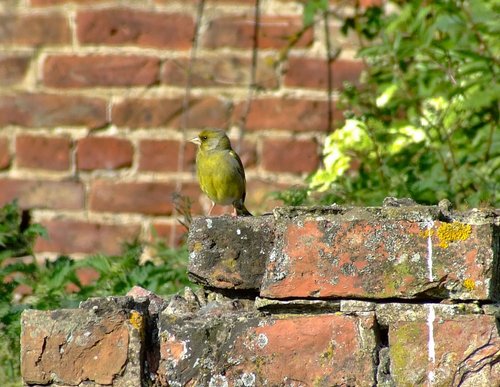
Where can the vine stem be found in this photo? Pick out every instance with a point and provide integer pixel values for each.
(185, 110)
(252, 85)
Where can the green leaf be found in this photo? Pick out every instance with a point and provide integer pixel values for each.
(311, 8)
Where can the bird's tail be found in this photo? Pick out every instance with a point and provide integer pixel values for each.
(241, 210)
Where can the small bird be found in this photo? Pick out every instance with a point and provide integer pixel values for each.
(220, 171)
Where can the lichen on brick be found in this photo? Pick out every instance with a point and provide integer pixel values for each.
(469, 284)
(452, 232)
(136, 320)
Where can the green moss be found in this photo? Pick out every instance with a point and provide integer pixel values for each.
(401, 356)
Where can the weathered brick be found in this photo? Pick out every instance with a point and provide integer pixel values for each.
(162, 155)
(102, 346)
(4, 153)
(238, 349)
(173, 234)
(104, 153)
(313, 73)
(225, 71)
(146, 198)
(119, 26)
(390, 256)
(285, 114)
(465, 351)
(40, 110)
(378, 253)
(73, 236)
(325, 350)
(284, 155)
(100, 70)
(147, 113)
(242, 265)
(40, 152)
(238, 31)
(13, 69)
(61, 195)
(34, 30)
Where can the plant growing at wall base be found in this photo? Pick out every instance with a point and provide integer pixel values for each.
(24, 283)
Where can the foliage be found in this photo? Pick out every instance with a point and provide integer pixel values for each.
(16, 235)
(55, 284)
(423, 122)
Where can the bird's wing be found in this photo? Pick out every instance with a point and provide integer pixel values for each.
(238, 164)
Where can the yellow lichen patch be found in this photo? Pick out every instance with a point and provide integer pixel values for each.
(198, 246)
(327, 356)
(426, 233)
(469, 284)
(452, 232)
(136, 320)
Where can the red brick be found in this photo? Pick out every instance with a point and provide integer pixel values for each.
(55, 195)
(334, 349)
(371, 3)
(147, 113)
(34, 30)
(87, 275)
(4, 153)
(100, 70)
(317, 350)
(13, 69)
(72, 236)
(386, 258)
(80, 346)
(48, 110)
(260, 195)
(465, 349)
(42, 3)
(146, 198)
(119, 26)
(225, 71)
(43, 152)
(242, 2)
(247, 153)
(285, 114)
(174, 235)
(162, 155)
(104, 153)
(296, 156)
(313, 73)
(238, 31)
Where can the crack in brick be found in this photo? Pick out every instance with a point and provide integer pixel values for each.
(488, 354)
(44, 345)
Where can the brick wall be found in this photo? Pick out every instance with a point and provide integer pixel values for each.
(94, 107)
(337, 296)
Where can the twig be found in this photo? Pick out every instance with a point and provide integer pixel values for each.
(330, 58)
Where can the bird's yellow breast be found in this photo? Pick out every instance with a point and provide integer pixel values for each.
(220, 177)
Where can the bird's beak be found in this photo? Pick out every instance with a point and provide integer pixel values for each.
(195, 140)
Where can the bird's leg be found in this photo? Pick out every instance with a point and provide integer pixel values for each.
(211, 208)
(234, 213)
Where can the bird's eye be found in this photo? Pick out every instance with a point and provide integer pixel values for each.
(203, 138)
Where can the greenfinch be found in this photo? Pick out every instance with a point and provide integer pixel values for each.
(220, 171)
